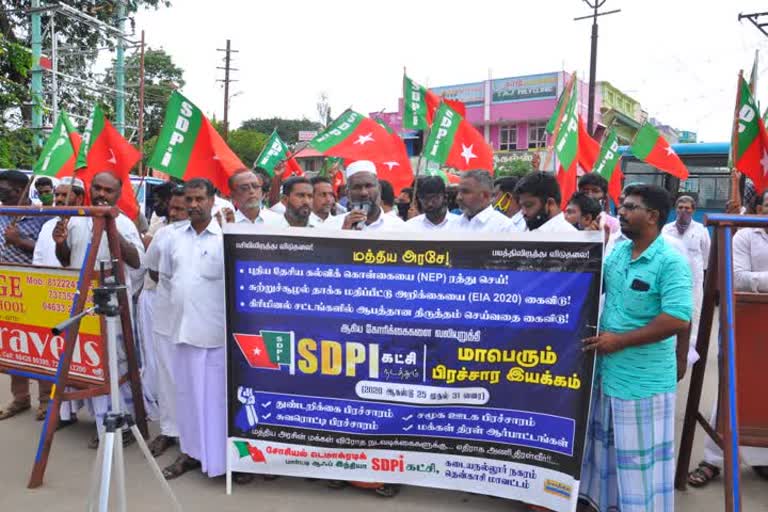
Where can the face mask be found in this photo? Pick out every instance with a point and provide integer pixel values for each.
(539, 220)
(46, 199)
(684, 218)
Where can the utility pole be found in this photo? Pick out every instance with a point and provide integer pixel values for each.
(594, 5)
(756, 21)
(55, 70)
(37, 73)
(228, 51)
(120, 70)
(141, 106)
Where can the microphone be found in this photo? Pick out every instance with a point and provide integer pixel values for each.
(365, 207)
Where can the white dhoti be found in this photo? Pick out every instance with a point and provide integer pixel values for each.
(149, 371)
(201, 405)
(750, 455)
(698, 297)
(166, 384)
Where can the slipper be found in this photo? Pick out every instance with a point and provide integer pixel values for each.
(181, 465)
(243, 478)
(160, 444)
(703, 474)
(42, 410)
(14, 408)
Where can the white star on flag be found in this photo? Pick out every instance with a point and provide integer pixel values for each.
(669, 150)
(391, 165)
(112, 158)
(362, 139)
(256, 352)
(466, 153)
(764, 163)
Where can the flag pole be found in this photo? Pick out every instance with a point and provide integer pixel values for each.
(735, 175)
(568, 92)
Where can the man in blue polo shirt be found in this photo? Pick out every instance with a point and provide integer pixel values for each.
(629, 458)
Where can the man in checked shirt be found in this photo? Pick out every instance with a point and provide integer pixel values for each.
(18, 236)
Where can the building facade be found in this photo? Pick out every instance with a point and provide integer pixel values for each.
(620, 112)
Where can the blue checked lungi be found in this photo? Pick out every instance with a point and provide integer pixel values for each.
(629, 460)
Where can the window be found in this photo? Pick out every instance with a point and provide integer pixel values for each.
(537, 135)
(507, 138)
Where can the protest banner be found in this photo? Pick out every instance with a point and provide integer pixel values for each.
(383, 359)
(32, 300)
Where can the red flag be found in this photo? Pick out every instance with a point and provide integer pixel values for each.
(291, 168)
(433, 103)
(104, 149)
(255, 351)
(589, 148)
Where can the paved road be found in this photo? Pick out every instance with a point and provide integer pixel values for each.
(67, 480)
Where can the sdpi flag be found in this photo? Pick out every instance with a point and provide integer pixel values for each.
(58, 155)
(274, 152)
(190, 147)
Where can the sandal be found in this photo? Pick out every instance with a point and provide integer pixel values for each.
(160, 444)
(762, 471)
(42, 411)
(703, 474)
(181, 465)
(66, 423)
(128, 440)
(387, 490)
(243, 478)
(337, 484)
(12, 409)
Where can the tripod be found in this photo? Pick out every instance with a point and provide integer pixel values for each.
(110, 453)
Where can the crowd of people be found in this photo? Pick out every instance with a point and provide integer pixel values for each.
(653, 283)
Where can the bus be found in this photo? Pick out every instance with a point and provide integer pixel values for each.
(709, 180)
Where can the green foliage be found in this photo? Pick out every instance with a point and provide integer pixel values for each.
(512, 168)
(15, 29)
(288, 129)
(15, 66)
(16, 148)
(247, 144)
(161, 78)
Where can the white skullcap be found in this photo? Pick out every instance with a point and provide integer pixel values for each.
(75, 182)
(360, 166)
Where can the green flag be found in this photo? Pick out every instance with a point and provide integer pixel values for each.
(274, 152)
(558, 107)
(414, 105)
(608, 157)
(567, 141)
(278, 346)
(58, 155)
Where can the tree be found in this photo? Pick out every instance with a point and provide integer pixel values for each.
(85, 37)
(161, 77)
(512, 168)
(288, 129)
(247, 144)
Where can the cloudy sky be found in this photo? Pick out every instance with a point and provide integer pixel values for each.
(679, 58)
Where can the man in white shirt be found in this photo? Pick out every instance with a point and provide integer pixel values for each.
(539, 197)
(72, 237)
(506, 201)
(247, 189)
(365, 212)
(197, 298)
(750, 273)
(322, 200)
(45, 248)
(430, 193)
(695, 238)
(474, 199)
(297, 197)
(157, 322)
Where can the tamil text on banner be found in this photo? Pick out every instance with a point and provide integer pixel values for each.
(452, 363)
(32, 301)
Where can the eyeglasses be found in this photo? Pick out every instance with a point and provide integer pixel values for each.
(246, 187)
(630, 207)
